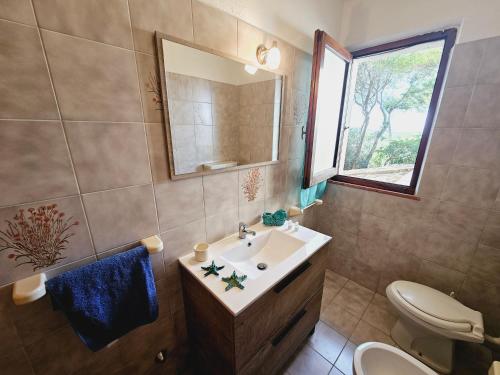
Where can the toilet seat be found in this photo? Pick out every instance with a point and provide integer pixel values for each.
(437, 309)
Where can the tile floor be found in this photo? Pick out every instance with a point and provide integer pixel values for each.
(352, 314)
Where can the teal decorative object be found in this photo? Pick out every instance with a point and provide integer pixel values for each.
(309, 195)
(234, 281)
(276, 219)
(212, 269)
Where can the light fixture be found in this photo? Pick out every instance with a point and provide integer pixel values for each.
(270, 57)
(250, 69)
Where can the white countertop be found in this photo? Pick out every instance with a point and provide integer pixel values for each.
(236, 300)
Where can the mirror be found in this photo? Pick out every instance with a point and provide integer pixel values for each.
(219, 113)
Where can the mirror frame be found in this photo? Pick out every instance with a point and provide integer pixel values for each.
(159, 37)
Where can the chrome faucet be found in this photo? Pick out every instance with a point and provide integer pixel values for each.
(243, 231)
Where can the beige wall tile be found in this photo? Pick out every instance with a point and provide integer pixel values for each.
(373, 252)
(180, 241)
(24, 78)
(408, 236)
(150, 84)
(489, 71)
(16, 362)
(458, 220)
(34, 161)
(375, 228)
(93, 80)
(220, 192)
(465, 64)
(222, 225)
(251, 213)
(172, 17)
(478, 148)
(443, 145)
(432, 181)
(249, 38)
(157, 145)
(179, 202)
(18, 11)
(275, 180)
(106, 22)
(491, 232)
(453, 106)
(471, 186)
(399, 266)
(486, 264)
(103, 163)
(214, 28)
(483, 110)
(130, 210)
(440, 278)
(78, 246)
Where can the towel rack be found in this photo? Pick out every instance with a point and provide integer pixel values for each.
(32, 288)
(297, 211)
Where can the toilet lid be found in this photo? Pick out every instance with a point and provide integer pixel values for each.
(434, 303)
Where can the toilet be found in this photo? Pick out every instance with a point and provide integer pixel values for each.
(430, 322)
(375, 358)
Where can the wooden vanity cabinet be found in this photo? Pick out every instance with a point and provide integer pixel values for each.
(261, 338)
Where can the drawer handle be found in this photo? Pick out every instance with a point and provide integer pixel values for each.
(282, 334)
(292, 276)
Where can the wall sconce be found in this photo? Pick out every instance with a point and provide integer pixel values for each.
(271, 57)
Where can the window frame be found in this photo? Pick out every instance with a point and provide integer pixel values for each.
(449, 37)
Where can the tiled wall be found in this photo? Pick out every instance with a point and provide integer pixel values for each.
(450, 239)
(80, 128)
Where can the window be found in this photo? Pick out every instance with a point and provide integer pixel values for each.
(371, 112)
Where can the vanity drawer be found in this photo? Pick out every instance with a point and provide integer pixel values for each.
(276, 351)
(268, 315)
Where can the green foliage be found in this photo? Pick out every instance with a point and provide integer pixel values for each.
(394, 81)
(396, 151)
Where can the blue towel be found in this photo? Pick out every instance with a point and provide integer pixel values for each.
(106, 299)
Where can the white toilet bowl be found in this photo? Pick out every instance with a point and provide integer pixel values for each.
(429, 322)
(374, 358)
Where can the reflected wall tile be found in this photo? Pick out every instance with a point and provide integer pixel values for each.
(215, 29)
(220, 192)
(443, 145)
(490, 71)
(249, 38)
(107, 22)
(440, 278)
(34, 161)
(92, 75)
(478, 148)
(180, 240)
(458, 220)
(483, 110)
(179, 202)
(78, 247)
(471, 186)
(302, 67)
(222, 225)
(17, 11)
(26, 88)
(486, 264)
(172, 17)
(465, 64)
(100, 162)
(150, 84)
(131, 210)
(157, 145)
(453, 107)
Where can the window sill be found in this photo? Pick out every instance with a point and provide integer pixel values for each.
(376, 190)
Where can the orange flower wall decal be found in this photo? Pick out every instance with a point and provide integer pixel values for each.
(252, 183)
(37, 237)
(153, 86)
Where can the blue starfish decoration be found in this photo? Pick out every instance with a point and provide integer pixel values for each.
(234, 281)
(212, 269)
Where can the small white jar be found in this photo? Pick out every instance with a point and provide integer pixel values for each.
(201, 251)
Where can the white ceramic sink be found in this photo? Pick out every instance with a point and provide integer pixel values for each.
(269, 249)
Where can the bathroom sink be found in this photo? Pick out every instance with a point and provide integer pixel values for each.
(256, 256)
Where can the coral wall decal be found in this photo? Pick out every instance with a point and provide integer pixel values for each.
(37, 237)
(252, 184)
(153, 86)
